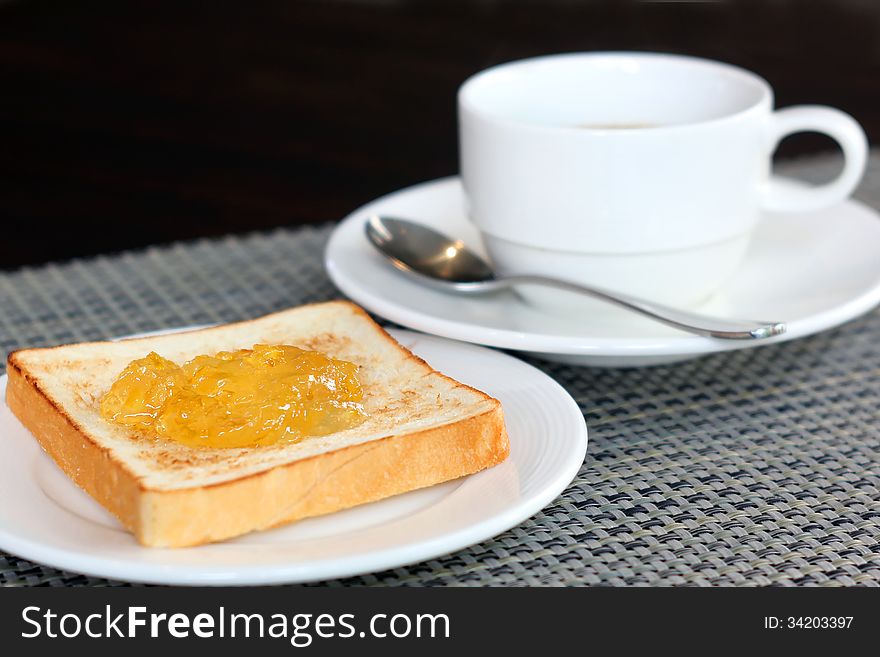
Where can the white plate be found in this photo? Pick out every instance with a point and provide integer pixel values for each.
(45, 518)
(814, 270)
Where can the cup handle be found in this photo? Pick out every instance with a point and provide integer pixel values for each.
(829, 121)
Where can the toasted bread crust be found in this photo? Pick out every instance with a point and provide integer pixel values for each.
(90, 466)
(323, 484)
(307, 487)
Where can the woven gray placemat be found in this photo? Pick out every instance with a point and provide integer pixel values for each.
(750, 467)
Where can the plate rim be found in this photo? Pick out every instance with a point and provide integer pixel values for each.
(635, 348)
(125, 569)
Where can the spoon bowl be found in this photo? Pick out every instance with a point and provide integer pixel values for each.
(415, 248)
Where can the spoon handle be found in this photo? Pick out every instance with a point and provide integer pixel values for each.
(727, 329)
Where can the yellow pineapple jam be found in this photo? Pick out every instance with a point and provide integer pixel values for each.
(252, 397)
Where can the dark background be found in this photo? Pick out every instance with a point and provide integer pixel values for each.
(127, 123)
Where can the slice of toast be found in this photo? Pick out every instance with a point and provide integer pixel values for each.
(423, 428)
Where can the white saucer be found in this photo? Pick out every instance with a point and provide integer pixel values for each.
(45, 518)
(813, 270)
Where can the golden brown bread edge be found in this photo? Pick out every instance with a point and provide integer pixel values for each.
(324, 483)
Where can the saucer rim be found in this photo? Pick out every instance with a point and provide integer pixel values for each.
(538, 343)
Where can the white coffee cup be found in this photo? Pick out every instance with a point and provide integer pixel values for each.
(637, 172)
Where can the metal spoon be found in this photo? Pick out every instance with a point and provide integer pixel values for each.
(448, 265)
